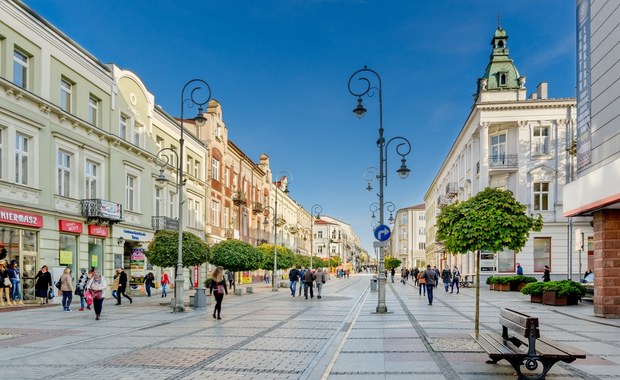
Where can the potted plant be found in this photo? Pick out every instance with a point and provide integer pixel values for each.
(562, 293)
(534, 290)
(490, 283)
(502, 283)
(518, 282)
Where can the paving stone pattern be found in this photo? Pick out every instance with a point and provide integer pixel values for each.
(271, 335)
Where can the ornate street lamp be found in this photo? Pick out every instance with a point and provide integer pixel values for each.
(199, 121)
(281, 177)
(403, 148)
(315, 213)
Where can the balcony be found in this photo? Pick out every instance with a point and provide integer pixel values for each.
(442, 201)
(504, 162)
(280, 222)
(164, 223)
(452, 189)
(101, 211)
(239, 198)
(257, 208)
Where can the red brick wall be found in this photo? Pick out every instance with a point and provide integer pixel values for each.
(607, 263)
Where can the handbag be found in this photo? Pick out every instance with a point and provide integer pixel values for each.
(88, 296)
(7, 282)
(58, 284)
(220, 289)
(50, 294)
(96, 294)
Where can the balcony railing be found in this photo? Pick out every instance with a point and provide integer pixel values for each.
(257, 208)
(504, 161)
(442, 200)
(452, 189)
(101, 211)
(164, 223)
(239, 198)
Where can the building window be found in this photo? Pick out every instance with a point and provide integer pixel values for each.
(159, 201)
(502, 79)
(189, 164)
(122, 128)
(215, 169)
(540, 141)
(227, 177)
(498, 149)
(542, 253)
(63, 165)
(91, 176)
(218, 131)
(131, 183)
(159, 142)
(138, 129)
(20, 69)
(191, 216)
(197, 169)
(66, 91)
(421, 217)
(541, 196)
(172, 202)
(93, 110)
(22, 156)
(421, 231)
(215, 213)
(421, 245)
(506, 261)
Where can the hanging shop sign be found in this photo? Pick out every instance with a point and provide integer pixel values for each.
(70, 226)
(98, 230)
(20, 218)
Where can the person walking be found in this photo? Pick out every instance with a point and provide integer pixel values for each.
(5, 284)
(165, 280)
(320, 279)
(431, 277)
(66, 287)
(456, 279)
(421, 283)
(438, 275)
(231, 279)
(547, 274)
(267, 277)
(218, 288)
(309, 278)
(14, 275)
(149, 282)
(519, 270)
(122, 286)
(415, 276)
(392, 273)
(96, 286)
(302, 273)
(80, 288)
(293, 276)
(446, 277)
(43, 281)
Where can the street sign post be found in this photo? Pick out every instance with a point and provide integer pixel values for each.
(382, 232)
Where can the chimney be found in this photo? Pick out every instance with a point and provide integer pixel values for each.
(541, 90)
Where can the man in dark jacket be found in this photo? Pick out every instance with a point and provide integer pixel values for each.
(293, 276)
(431, 278)
(122, 287)
(309, 278)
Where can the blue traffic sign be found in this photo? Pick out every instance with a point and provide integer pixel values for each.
(382, 232)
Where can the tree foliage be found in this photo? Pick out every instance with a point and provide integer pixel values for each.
(335, 261)
(490, 221)
(392, 262)
(319, 262)
(163, 249)
(235, 255)
(284, 255)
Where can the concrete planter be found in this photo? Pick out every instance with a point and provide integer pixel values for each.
(536, 298)
(249, 289)
(503, 287)
(238, 291)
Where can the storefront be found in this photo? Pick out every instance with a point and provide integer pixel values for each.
(68, 242)
(19, 241)
(96, 240)
(133, 259)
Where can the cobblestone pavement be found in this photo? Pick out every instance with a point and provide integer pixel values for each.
(272, 335)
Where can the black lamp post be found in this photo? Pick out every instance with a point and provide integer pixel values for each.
(403, 148)
(199, 121)
(315, 213)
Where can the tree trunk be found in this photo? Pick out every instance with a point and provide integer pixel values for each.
(477, 320)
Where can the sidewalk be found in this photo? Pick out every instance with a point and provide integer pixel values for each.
(272, 335)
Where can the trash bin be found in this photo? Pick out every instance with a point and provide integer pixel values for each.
(373, 284)
(200, 298)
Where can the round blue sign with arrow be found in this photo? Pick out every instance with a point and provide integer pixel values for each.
(382, 232)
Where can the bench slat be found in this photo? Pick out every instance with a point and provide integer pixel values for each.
(566, 349)
(496, 346)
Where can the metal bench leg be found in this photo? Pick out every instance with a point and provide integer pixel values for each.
(532, 364)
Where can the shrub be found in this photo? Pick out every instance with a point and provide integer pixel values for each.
(522, 279)
(490, 280)
(534, 288)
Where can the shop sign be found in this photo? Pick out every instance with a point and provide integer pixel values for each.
(487, 262)
(21, 218)
(70, 226)
(97, 230)
(195, 276)
(110, 210)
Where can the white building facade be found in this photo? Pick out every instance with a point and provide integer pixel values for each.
(518, 143)
(408, 240)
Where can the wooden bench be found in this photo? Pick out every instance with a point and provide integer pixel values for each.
(525, 348)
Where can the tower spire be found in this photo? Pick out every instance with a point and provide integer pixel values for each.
(499, 24)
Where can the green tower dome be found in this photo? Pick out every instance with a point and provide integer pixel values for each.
(501, 73)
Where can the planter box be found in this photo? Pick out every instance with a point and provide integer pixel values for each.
(536, 298)
(491, 286)
(503, 287)
(249, 290)
(516, 287)
(551, 298)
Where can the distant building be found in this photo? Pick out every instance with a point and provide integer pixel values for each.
(517, 143)
(408, 241)
(596, 189)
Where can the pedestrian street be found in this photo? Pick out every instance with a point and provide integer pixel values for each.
(272, 335)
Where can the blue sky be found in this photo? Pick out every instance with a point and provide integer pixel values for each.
(280, 68)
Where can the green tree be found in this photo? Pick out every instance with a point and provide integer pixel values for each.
(284, 255)
(302, 260)
(163, 249)
(392, 262)
(335, 261)
(235, 255)
(490, 221)
(319, 262)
